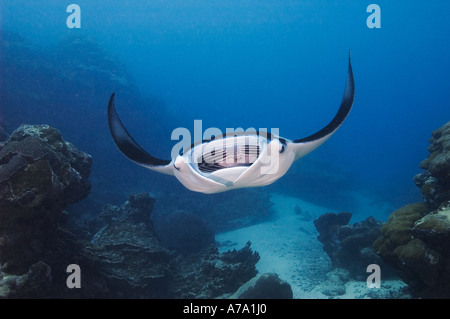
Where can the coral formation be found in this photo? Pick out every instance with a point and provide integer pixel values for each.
(396, 232)
(434, 181)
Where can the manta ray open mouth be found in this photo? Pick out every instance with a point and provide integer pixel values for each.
(227, 153)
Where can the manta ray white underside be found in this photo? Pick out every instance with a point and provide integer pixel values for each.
(246, 159)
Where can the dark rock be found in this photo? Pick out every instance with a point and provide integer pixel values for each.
(350, 246)
(330, 222)
(265, 286)
(328, 225)
(185, 232)
(208, 274)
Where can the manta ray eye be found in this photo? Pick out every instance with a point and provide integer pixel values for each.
(283, 147)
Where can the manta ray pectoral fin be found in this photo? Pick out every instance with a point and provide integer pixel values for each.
(306, 145)
(129, 147)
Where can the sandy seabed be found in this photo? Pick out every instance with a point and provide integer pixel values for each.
(288, 246)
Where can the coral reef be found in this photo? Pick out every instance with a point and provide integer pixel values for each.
(396, 232)
(350, 246)
(264, 286)
(434, 181)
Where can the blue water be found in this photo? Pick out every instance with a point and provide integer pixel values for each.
(263, 64)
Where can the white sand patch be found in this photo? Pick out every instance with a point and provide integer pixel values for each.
(288, 246)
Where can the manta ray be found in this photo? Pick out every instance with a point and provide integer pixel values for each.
(225, 162)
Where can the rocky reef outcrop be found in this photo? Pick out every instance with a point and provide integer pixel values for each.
(40, 175)
(349, 246)
(415, 238)
(434, 181)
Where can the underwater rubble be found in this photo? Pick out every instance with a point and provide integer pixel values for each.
(40, 176)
